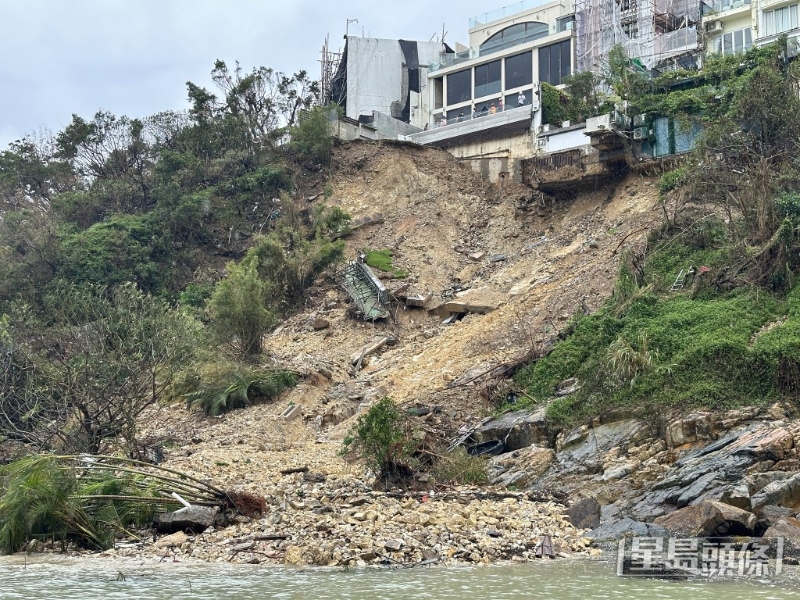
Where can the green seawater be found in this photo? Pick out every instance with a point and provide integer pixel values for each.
(52, 577)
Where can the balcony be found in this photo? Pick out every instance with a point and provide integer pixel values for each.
(509, 122)
(718, 6)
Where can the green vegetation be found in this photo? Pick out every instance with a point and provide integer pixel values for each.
(459, 468)
(85, 500)
(139, 252)
(237, 387)
(382, 259)
(380, 439)
(728, 337)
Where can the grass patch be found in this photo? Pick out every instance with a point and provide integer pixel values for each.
(657, 352)
(382, 260)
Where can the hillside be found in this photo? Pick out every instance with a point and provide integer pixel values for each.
(559, 259)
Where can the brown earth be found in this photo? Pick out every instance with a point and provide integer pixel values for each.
(560, 258)
(445, 225)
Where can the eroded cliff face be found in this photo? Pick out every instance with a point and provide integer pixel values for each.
(529, 262)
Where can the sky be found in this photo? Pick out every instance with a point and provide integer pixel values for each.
(134, 57)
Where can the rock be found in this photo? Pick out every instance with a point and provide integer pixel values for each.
(740, 522)
(194, 519)
(568, 386)
(169, 541)
(521, 467)
(690, 428)
(616, 530)
(769, 515)
(584, 514)
(618, 472)
(785, 527)
(782, 493)
(293, 556)
(393, 545)
(320, 324)
(699, 520)
(736, 495)
(519, 429)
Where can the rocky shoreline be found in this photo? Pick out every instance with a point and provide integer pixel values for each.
(345, 524)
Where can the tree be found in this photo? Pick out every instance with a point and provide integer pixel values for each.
(311, 137)
(263, 100)
(111, 153)
(381, 439)
(238, 306)
(85, 373)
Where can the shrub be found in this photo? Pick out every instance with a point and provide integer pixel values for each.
(239, 388)
(311, 137)
(459, 467)
(380, 439)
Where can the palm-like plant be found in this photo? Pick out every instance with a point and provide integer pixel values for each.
(87, 499)
(238, 390)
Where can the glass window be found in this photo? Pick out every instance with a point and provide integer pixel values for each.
(519, 70)
(515, 34)
(566, 58)
(555, 62)
(734, 42)
(513, 100)
(780, 20)
(727, 43)
(459, 86)
(487, 79)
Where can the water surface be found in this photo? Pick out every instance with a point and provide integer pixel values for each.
(49, 577)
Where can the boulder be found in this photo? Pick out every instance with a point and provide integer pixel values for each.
(784, 492)
(690, 428)
(769, 515)
(518, 429)
(616, 530)
(173, 540)
(699, 520)
(785, 527)
(740, 522)
(584, 514)
(194, 519)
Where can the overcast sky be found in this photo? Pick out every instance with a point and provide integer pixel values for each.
(134, 57)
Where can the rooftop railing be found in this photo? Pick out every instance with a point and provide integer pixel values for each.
(506, 11)
(485, 50)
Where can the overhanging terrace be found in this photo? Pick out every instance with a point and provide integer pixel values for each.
(509, 122)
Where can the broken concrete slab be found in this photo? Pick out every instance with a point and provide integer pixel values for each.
(194, 519)
(292, 412)
(479, 301)
(371, 348)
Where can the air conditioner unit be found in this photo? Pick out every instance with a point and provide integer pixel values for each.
(639, 120)
(640, 133)
(714, 26)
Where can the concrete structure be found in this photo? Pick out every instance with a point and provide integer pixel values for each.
(728, 26)
(484, 100)
(384, 76)
(512, 49)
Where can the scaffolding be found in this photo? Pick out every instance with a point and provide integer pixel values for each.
(651, 31)
(329, 64)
